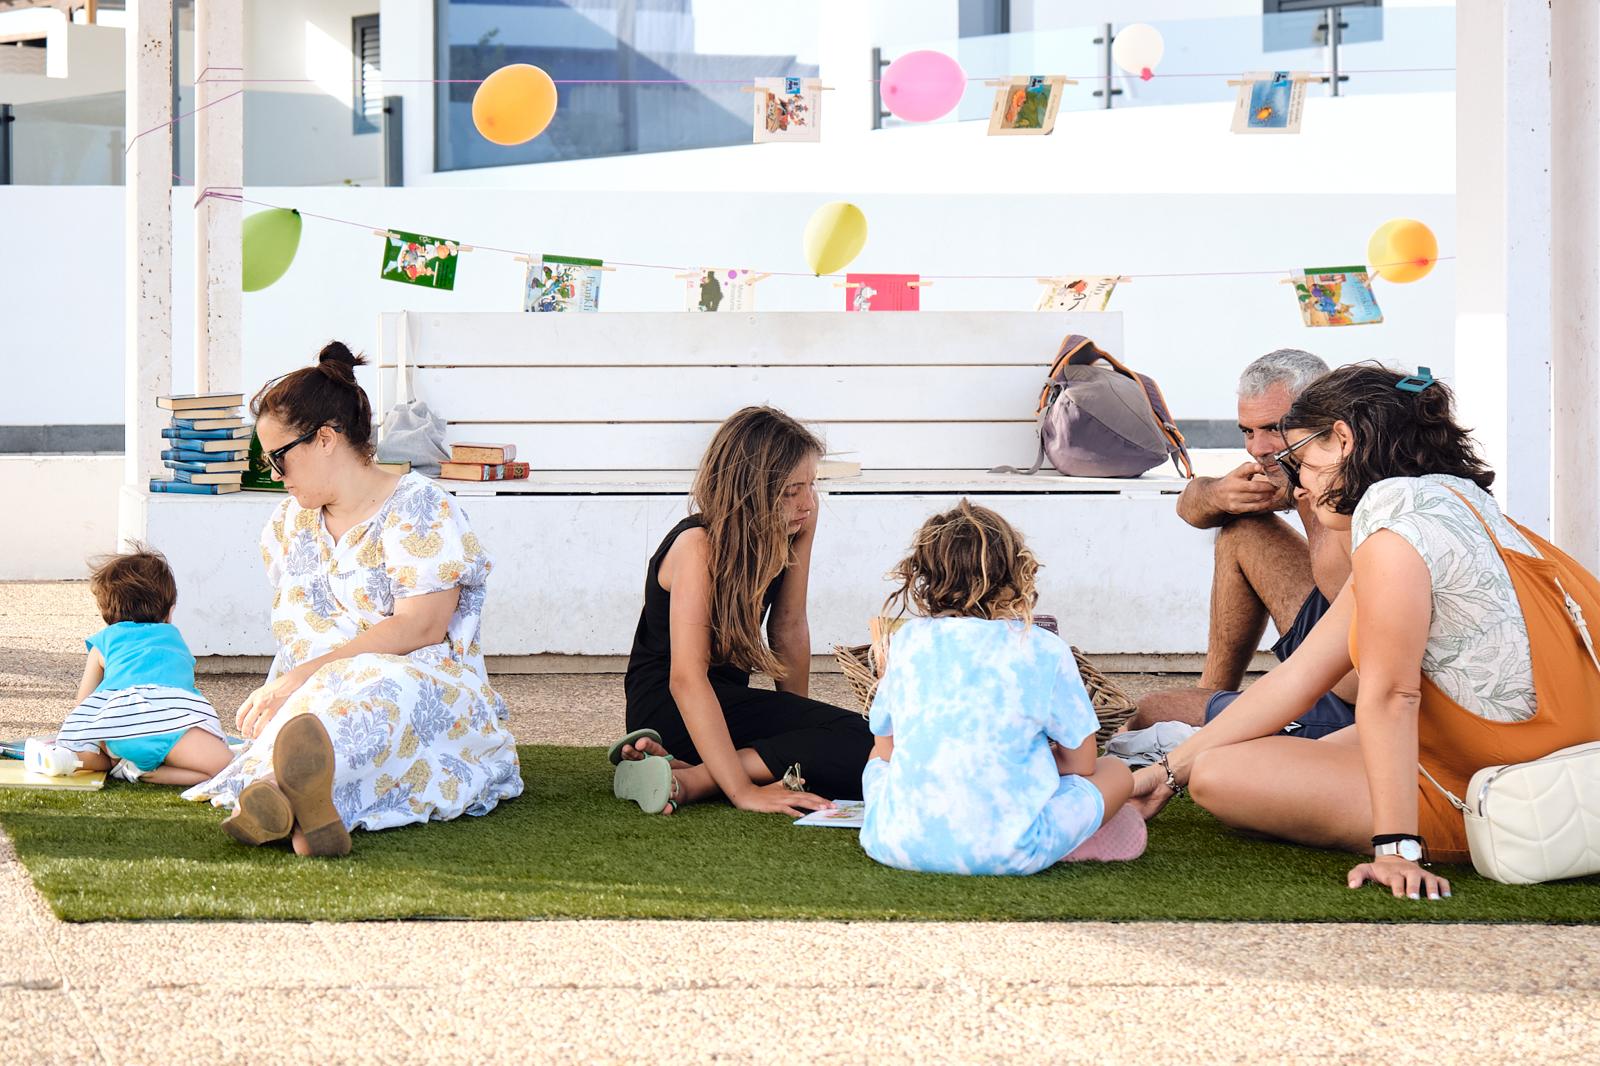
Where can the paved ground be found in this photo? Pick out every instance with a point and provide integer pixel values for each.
(798, 993)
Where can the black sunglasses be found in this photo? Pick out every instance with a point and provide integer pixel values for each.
(275, 456)
(1291, 465)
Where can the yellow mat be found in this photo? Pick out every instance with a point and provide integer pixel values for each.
(12, 775)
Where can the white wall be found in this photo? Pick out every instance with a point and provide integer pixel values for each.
(81, 520)
(62, 341)
(300, 133)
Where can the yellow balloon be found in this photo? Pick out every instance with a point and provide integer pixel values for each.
(514, 104)
(1402, 250)
(834, 236)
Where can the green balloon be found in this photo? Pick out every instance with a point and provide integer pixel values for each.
(270, 241)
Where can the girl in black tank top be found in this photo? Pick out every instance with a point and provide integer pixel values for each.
(756, 514)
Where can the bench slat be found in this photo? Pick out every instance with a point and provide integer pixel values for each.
(679, 446)
(711, 393)
(768, 338)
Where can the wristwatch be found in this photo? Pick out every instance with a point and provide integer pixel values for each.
(1405, 846)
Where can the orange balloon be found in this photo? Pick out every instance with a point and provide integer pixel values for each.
(514, 104)
(1402, 250)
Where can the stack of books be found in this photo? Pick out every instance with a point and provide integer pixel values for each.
(483, 462)
(206, 444)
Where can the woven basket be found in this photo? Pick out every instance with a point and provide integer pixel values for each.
(1112, 706)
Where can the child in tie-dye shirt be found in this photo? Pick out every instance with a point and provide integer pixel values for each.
(985, 759)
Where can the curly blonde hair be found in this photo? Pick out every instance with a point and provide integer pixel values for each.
(967, 562)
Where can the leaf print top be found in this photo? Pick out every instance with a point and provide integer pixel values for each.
(1477, 651)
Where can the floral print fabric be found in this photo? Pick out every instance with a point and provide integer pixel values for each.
(416, 737)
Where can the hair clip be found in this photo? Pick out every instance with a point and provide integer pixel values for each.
(1416, 383)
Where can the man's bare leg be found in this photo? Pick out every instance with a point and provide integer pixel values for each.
(1262, 570)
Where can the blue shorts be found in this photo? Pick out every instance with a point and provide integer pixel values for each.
(1330, 713)
(146, 753)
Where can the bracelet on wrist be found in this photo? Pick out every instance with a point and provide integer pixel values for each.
(1172, 782)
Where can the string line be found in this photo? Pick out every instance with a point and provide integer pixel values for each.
(224, 194)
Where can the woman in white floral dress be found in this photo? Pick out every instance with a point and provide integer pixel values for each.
(378, 710)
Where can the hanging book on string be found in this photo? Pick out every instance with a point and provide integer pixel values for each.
(413, 259)
(1270, 102)
(1026, 105)
(1337, 296)
(788, 109)
(882, 292)
(720, 289)
(1083, 292)
(562, 283)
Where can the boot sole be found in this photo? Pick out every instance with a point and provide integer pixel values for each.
(302, 762)
(260, 815)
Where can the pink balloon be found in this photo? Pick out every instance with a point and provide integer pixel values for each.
(923, 86)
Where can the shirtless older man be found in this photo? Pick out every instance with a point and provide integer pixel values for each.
(1264, 567)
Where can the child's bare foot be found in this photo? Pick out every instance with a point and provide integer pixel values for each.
(638, 749)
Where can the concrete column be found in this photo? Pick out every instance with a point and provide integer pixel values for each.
(219, 164)
(147, 244)
(1504, 227)
(1575, 275)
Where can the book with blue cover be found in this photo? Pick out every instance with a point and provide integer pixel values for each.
(238, 433)
(207, 423)
(185, 488)
(206, 466)
(210, 460)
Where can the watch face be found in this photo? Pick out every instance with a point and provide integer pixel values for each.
(1410, 849)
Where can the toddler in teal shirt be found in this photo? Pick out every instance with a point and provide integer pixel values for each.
(139, 713)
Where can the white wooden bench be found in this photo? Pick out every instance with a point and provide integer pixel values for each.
(613, 411)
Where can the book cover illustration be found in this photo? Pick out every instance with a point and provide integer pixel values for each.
(258, 475)
(721, 289)
(1270, 102)
(1086, 292)
(413, 259)
(1337, 296)
(882, 292)
(1027, 106)
(844, 814)
(787, 109)
(562, 283)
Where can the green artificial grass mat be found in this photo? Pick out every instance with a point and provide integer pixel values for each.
(567, 849)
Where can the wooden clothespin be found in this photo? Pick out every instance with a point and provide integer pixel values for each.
(1293, 77)
(750, 277)
(918, 284)
(847, 284)
(809, 84)
(1006, 83)
(386, 235)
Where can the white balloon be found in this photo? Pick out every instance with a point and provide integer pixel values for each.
(1137, 48)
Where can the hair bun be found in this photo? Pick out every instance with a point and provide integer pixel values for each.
(337, 362)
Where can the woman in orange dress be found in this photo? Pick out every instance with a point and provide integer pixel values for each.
(1467, 651)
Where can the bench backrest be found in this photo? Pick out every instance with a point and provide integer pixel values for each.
(928, 390)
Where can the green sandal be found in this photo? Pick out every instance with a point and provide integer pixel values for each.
(615, 754)
(648, 782)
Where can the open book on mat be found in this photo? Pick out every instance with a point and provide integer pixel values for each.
(13, 775)
(844, 814)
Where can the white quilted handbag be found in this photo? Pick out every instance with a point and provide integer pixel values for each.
(1536, 821)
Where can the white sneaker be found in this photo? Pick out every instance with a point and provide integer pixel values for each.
(126, 771)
